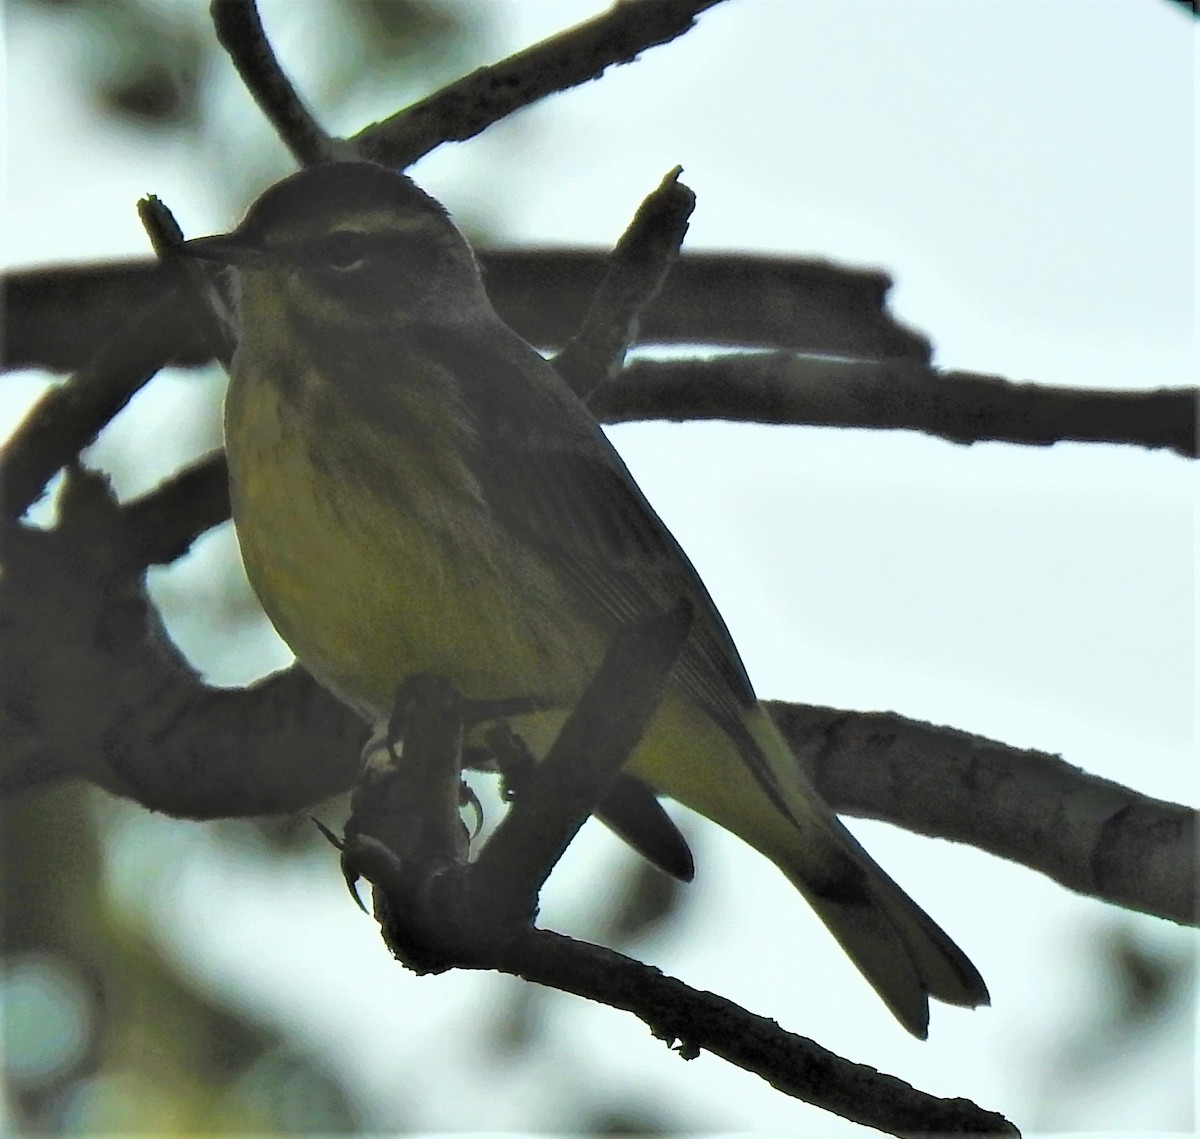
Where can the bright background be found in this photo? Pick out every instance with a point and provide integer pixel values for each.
(1025, 170)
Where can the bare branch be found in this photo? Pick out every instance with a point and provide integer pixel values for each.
(595, 742)
(95, 690)
(241, 34)
(636, 271)
(1088, 834)
(439, 911)
(711, 298)
(701, 1021)
(161, 525)
(472, 104)
(964, 407)
(91, 687)
(58, 317)
(69, 417)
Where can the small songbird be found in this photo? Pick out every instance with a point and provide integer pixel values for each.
(416, 490)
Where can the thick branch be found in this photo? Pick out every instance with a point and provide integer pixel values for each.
(1089, 834)
(597, 739)
(964, 407)
(59, 316)
(95, 690)
(469, 106)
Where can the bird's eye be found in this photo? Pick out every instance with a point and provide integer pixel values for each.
(344, 251)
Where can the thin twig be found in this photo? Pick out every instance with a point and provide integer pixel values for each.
(241, 34)
(199, 284)
(637, 267)
(463, 109)
(692, 1021)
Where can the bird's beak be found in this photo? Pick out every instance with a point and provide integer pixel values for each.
(228, 248)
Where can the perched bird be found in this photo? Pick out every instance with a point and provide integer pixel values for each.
(415, 489)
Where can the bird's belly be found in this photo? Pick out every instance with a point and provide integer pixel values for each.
(368, 587)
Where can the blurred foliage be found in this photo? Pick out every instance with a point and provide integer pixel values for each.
(101, 1031)
(1187, 6)
(1145, 988)
(145, 63)
(1148, 983)
(141, 63)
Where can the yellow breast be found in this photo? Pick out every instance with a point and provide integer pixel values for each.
(375, 559)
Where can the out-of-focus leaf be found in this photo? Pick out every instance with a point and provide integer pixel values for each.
(147, 60)
(1148, 982)
(643, 898)
(625, 1120)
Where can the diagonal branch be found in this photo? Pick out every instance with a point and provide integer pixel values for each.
(637, 268)
(240, 32)
(703, 1021)
(69, 417)
(95, 690)
(472, 104)
(439, 911)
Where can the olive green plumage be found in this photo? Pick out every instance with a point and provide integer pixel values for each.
(415, 490)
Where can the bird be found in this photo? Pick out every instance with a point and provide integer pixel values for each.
(415, 489)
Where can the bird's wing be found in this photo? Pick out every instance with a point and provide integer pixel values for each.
(552, 479)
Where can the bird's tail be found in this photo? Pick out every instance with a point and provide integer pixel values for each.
(898, 947)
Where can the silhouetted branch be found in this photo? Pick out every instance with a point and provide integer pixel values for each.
(691, 1022)
(161, 525)
(439, 911)
(963, 407)
(58, 317)
(91, 687)
(94, 689)
(1089, 834)
(473, 103)
(69, 417)
(603, 729)
(240, 32)
(637, 268)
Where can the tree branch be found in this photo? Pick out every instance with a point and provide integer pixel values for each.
(963, 407)
(637, 268)
(702, 1021)
(601, 732)
(95, 690)
(472, 104)
(240, 32)
(69, 417)
(91, 687)
(437, 910)
(1089, 834)
(60, 316)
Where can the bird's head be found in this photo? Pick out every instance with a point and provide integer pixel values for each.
(350, 243)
